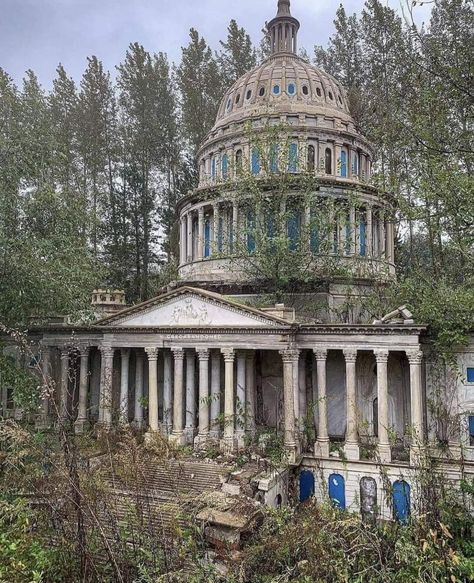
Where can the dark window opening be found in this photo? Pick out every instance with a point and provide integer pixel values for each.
(328, 161)
(305, 90)
(262, 91)
(311, 158)
(249, 94)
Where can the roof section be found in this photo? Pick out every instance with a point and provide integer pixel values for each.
(191, 307)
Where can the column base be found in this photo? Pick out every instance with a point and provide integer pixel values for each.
(385, 452)
(201, 440)
(291, 451)
(177, 437)
(189, 435)
(227, 444)
(214, 434)
(322, 447)
(240, 440)
(151, 435)
(102, 426)
(81, 425)
(42, 423)
(351, 449)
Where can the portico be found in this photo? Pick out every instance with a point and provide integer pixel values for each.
(172, 366)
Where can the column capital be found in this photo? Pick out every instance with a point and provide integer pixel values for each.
(152, 352)
(290, 355)
(203, 354)
(350, 354)
(414, 356)
(178, 352)
(381, 355)
(320, 353)
(201, 212)
(229, 354)
(106, 350)
(84, 350)
(65, 351)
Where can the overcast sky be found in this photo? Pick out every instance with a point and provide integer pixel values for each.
(38, 34)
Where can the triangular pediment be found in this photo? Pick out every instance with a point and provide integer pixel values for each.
(191, 308)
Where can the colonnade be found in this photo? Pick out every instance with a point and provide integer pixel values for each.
(195, 381)
(208, 230)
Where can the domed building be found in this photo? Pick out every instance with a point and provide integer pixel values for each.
(210, 361)
(286, 117)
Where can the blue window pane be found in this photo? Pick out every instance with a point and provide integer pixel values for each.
(363, 238)
(337, 491)
(293, 158)
(255, 162)
(207, 238)
(470, 374)
(401, 501)
(251, 231)
(471, 425)
(343, 164)
(213, 168)
(276, 89)
(293, 231)
(274, 152)
(291, 89)
(225, 166)
(270, 226)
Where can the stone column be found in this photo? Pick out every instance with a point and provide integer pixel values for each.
(215, 238)
(353, 230)
(190, 396)
(203, 435)
(369, 234)
(296, 391)
(415, 358)
(235, 226)
(382, 245)
(177, 433)
(382, 400)
(153, 421)
(250, 387)
(64, 384)
(43, 420)
(321, 448)
(229, 357)
(302, 390)
(200, 233)
(124, 373)
(105, 400)
(351, 447)
(184, 241)
(241, 399)
(139, 389)
(81, 421)
(189, 236)
(290, 357)
(167, 392)
(215, 393)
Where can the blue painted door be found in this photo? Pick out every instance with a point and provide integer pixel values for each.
(306, 485)
(401, 501)
(337, 491)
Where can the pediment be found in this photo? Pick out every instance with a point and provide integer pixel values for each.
(190, 308)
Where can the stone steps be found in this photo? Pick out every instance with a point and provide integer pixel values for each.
(174, 477)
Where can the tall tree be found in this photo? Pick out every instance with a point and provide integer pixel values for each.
(237, 56)
(199, 83)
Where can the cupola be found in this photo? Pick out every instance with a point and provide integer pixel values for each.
(283, 30)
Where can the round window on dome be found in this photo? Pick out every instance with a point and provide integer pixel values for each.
(291, 89)
(305, 90)
(276, 89)
(318, 91)
(237, 99)
(262, 91)
(330, 96)
(249, 94)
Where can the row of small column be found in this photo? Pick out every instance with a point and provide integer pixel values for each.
(380, 236)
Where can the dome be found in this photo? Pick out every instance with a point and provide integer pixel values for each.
(283, 84)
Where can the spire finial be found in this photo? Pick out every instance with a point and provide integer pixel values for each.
(283, 8)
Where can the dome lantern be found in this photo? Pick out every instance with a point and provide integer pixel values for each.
(283, 30)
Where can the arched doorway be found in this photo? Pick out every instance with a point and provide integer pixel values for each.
(306, 485)
(401, 501)
(337, 491)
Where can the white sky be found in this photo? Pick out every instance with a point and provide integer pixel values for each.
(38, 34)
